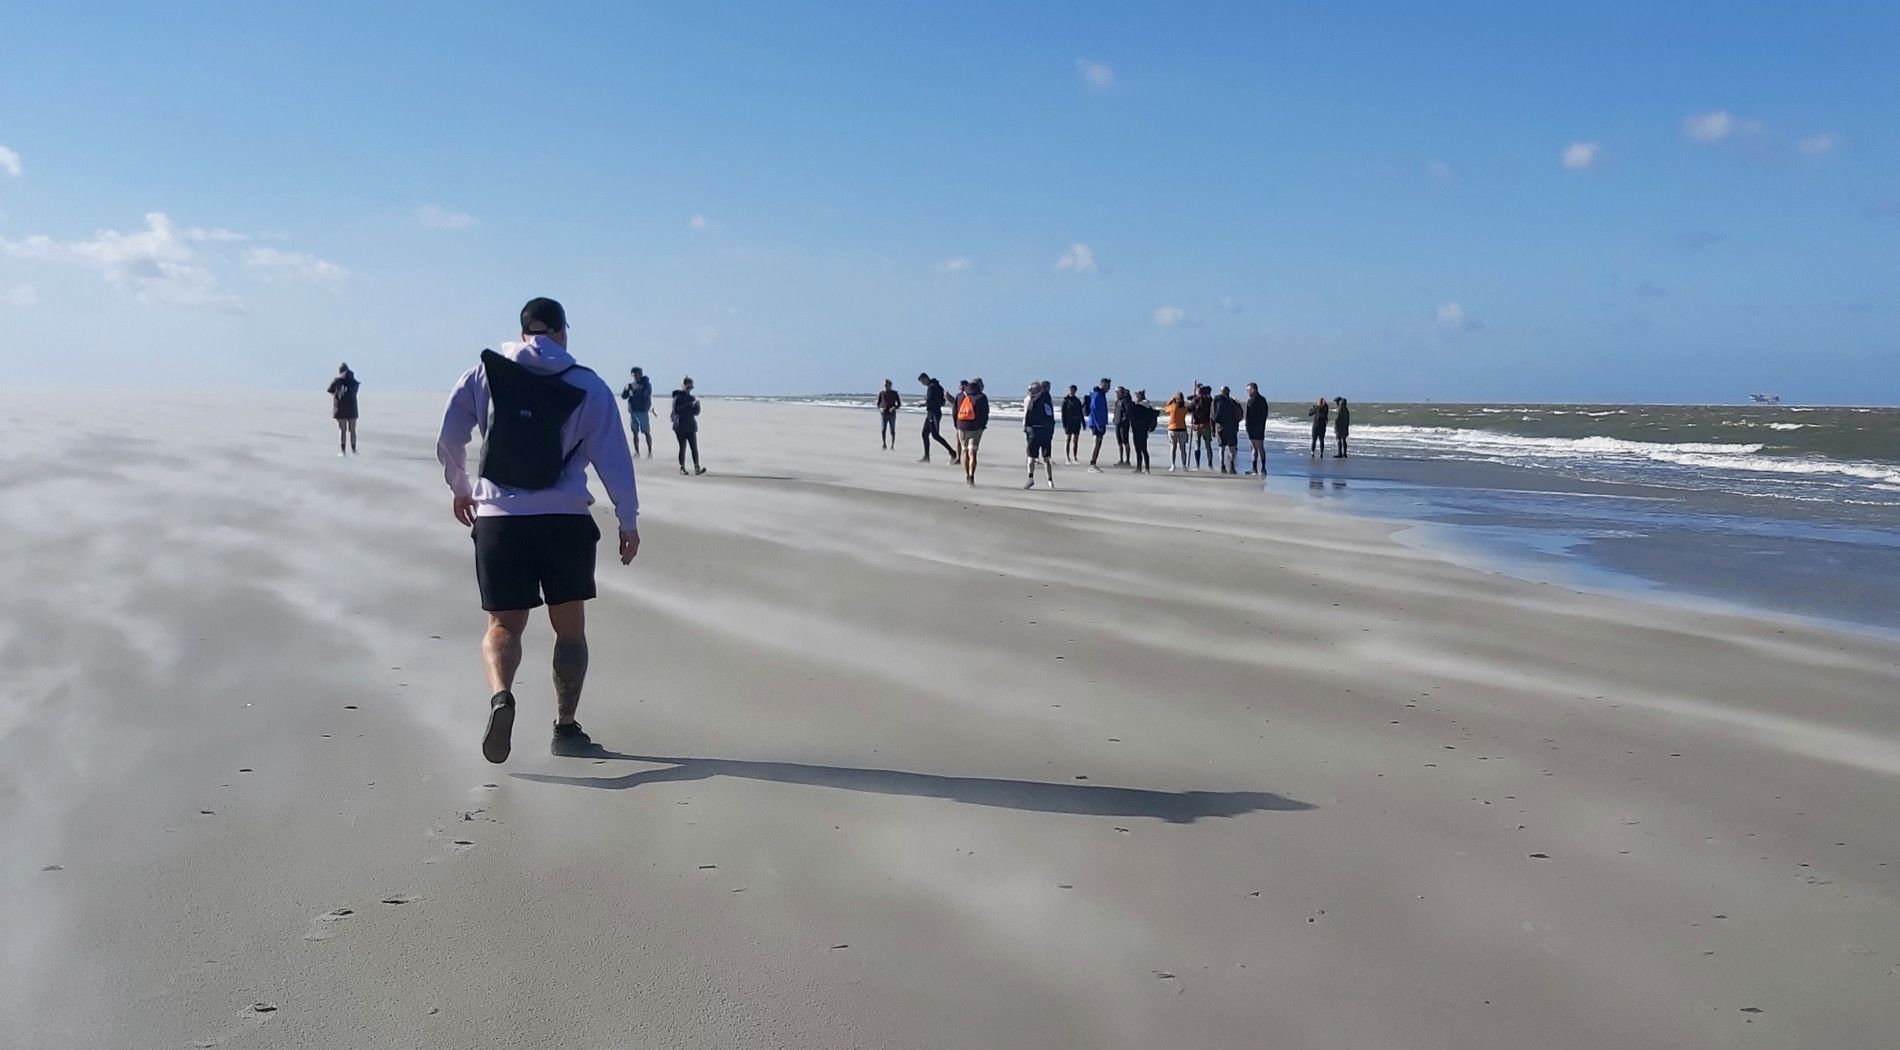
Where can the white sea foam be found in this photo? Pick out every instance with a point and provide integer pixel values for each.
(1804, 466)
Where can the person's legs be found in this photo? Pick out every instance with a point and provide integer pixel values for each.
(692, 442)
(342, 436)
(569, 620)
(1259, 449)
(1096, 455)
(680, 437)
(350, 424)
(501, 648)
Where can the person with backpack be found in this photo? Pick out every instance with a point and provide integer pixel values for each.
(1097, 410)
(1142, 420)
(1039, 428)
(934, 399)
(686, 424)
(343, 408)
(1071, 426)
(887, 405)
(544, 420)
(1227, 416)
(1255, 414)
(973, 417)
(638, 393)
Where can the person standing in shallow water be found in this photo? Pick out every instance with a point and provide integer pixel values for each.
(887, 405)
(1342, 422)
(686, 424)
(343, 408)
(1318, 413)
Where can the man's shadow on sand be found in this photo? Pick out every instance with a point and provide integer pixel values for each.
(1175, 807)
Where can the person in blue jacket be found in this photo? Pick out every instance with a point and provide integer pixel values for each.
(1097, 409)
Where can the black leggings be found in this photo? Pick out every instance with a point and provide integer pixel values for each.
(931, 433)
(1141, 449)
(1319, 438)
(1122, 430)
(688, 439)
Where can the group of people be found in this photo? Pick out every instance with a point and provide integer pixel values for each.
(638, 394)
(1341, 414)
(1203, 427)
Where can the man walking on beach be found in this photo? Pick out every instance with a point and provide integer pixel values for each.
(1256, 413)
(973, 417)
(1071, 426)
(1097, 409)
(544, 419)
(934, 398)
(1039, 428)
(639, 397)
(887, 405)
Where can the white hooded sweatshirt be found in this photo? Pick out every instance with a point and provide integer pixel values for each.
(594, 429)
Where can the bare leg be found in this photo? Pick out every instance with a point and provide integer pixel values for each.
(569, 620)
(501, 648)
(351, 423)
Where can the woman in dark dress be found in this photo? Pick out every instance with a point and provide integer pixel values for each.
(343, 408)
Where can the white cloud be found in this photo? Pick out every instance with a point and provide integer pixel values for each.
(705, 335)
(1078, 259)
(216, 233)
(957, 264)
(21, 296)
(437, 217)
(1453, 316)
(1818, 145)
(1718, 125)
(273, 262)
(1439, 170)
(1226, 304)
(1580, 155)
(1174, 317)
(156, 264)
(10, 162)
(1097, 75)
(701, 223)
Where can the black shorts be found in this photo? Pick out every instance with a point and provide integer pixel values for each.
(1041, 443)
(1230, 439)
(522, 560)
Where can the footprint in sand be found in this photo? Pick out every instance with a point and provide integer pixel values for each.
(323, 927)
(459, 846)
(400, 899)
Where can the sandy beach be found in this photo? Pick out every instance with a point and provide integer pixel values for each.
(1141, 762)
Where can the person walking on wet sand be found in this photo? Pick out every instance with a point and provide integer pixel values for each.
(343, 408)
(1342, 422)
(1256, 417)
(934, 399)
(1072, 414)
(544, 420)
(686, 424)
(887, 405)
(1039, 429)
(1318, 413)
(973, 417)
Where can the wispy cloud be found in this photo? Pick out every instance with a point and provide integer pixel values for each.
(1696, 240)
(1078, 259)
(1175, 317)
(21, 296)
(1818, 145)
(956, 264)
(10, 162)
(272, 262)
(699, 223)
(1453, 317)
(1718, 125)
(1438, 170)
(156, 264)
(437, 217)
(1580, 155)
(1097, 75)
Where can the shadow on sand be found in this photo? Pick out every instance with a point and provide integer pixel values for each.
(1175, 807)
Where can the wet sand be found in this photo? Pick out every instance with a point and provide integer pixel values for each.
(1139, 762)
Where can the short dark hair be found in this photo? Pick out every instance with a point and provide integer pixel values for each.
(545, 312)
(637, 371)
(923, 377)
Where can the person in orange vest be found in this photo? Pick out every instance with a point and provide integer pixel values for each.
(1177, 412)
(973, 417)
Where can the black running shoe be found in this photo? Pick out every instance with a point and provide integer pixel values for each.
(501, 727)
(571, 740)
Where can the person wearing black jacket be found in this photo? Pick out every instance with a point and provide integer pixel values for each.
(1256, 418)
(934, 399)
(686, 424)
(1318, 413)
(887, 405)
(638, 395)
(1122, 432)
(1342, 422)
(973, 417)
(1039, 428)
(1227, 416)
(1072, 426)
(1142, 418)
(343, 408)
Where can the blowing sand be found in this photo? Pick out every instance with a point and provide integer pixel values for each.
(1158, 762)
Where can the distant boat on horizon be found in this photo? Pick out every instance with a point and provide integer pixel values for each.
(1765, 399)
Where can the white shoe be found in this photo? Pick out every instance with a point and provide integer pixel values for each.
(1093, 469)
(1170, 468)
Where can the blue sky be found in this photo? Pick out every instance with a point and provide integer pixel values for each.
(1471, 201)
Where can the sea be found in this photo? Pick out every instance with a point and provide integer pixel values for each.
(1789, 509)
